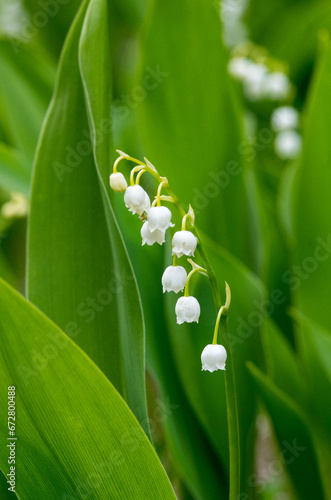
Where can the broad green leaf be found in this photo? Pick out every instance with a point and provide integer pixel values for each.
(6, 271)
(310, 275)
(79, 272)
(14, 170)
(75, 434)
(315, 347)
(284, 367)
(50, 22)
(293, 434)
(188, 118)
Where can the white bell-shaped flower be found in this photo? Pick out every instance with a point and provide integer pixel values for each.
(150, 237)
(174, 279)
(136, 199)
(239, 67)
(117, 182)
(184, 243)
(284, 118)
(187, 310)
(159, 218)
(288, 144)
(213, 357)
(277, 86)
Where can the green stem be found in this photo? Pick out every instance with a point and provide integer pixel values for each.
(232, 413)
(190, 274)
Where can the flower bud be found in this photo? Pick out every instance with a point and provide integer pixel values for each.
(159, 218)
(136, 199)
(174, 279)
(213, 357)
(187, 310)
(151, 237)
(117, 182)
(184, 243)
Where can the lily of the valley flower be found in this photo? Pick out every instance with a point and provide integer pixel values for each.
(137, 200)
(184, 243)
(117, 182)
(288, 144)
(159, 218)
(174, 279)
(187, 310)
(150, 237)
(213, 357)
(284, 118)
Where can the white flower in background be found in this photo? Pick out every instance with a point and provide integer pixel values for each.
(254, 82)
(187, 310)
(276, 86)
(159, 218)
(184, 243)
(117, 182)
(150, 237)
(174, 279)
(284, 118)
(213, 357)
(17, 206)
(288, 144)
(136, 199)
(238, 67)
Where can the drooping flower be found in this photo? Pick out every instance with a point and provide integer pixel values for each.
(184, 243)
(288, 144)
(213, 357)
(277, 86)
(150, 237)
(284, 118)
(187, 310)
(136, 199)
(117, 182)
(239, 67)
(174, 279)
(159, 218)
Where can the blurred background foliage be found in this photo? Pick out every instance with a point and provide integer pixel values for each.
(264, 219)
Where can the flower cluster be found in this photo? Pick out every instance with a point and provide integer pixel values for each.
(157, 219)
(258, 81)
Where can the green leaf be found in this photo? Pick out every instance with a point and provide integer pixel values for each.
(14, 170)
(293, 434)
(310, 276)
(79, 271)
(75, 434)
(284, 367)
(315, 347)
(189, 118)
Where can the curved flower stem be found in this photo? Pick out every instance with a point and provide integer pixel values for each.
(217, 324)
(142, 171)
(163, 183)
(190, 274)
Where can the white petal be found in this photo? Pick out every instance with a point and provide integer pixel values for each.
(174, 279)
(159, 218)
(150, 237)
